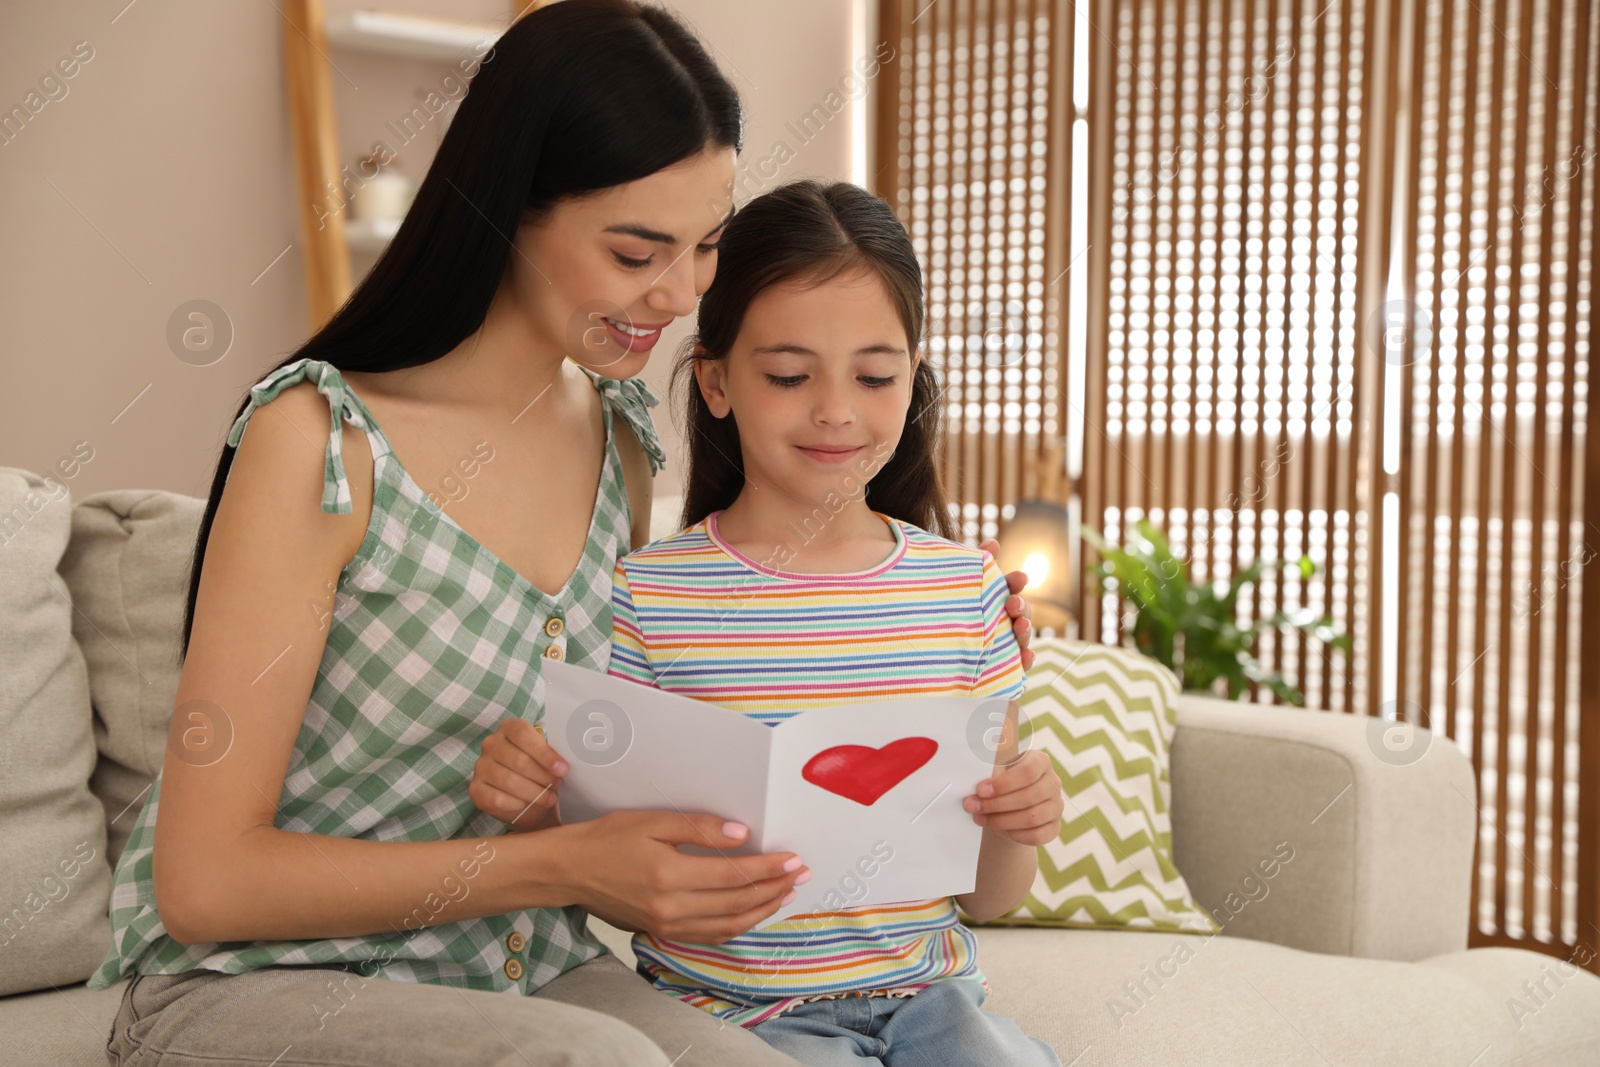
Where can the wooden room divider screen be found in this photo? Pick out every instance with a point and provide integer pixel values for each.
(1306, 276)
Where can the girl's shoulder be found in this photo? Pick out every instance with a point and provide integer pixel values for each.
(931, 554)
(932, 544)
(684, 548)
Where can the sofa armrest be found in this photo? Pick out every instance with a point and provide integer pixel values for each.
(1382, 840)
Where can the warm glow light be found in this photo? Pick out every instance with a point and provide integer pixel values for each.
(1036, 567)
(1034, 540)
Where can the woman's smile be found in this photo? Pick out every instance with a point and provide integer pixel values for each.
(634, 338)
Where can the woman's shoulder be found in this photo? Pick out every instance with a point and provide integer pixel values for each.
(283, 460)
(630, 400)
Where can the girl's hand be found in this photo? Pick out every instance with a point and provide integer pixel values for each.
(516, 778)
(628, 870)
(1021, 614)
(1022, 801)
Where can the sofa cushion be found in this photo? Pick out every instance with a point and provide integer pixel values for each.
(1106, 716)
(1116, 997)
(55, 886)
(128, 569)
(1193, 1009)
(1104, 997)
(67, 1027)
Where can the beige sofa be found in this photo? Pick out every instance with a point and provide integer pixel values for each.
(1354, 953)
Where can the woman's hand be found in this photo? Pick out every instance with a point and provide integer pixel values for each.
(627, 869)
(516, 779)
(1021, 614)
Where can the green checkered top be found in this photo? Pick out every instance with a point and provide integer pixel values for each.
(431, 642)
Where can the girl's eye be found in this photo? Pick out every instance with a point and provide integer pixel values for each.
(707, 249)
(793, 380)
(630, 262)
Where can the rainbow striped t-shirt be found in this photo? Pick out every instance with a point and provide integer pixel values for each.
(693, 615)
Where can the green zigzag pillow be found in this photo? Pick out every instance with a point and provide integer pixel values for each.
(1106, 717)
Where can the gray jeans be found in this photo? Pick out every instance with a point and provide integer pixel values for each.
(599, 1015)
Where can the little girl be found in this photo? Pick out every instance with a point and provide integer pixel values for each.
(805, 577)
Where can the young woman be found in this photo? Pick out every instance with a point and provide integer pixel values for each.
(808, 576)
(430, 497)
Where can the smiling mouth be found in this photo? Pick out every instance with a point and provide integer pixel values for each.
(830, 453)
(636, 331)
(632, 338)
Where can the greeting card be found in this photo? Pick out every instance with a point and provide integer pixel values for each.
(867, 794)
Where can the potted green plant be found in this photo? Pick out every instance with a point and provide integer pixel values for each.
(1193, 627)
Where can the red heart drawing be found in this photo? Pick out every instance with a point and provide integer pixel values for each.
(864, 774)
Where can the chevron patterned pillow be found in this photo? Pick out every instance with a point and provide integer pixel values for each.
(1106, 716)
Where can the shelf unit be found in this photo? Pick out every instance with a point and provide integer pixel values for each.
(413, 36)
(370, 235)
(307, 37)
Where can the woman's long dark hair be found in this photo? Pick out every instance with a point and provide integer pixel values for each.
(809, 232)
(576, 96)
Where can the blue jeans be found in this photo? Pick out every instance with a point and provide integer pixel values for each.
(942, 1026)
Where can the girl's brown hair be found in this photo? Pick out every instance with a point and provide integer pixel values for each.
(811, 232)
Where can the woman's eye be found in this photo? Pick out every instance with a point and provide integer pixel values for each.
(876, 383)
(630, 262)
(707, 249)
(788, 382)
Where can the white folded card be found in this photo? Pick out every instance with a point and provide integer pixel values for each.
(868, 795)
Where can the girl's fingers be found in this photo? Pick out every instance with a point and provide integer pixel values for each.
(521, 746)
(1022, 799)
(507, 808)
(1033, 826)
(1021, 772)
(517, 787)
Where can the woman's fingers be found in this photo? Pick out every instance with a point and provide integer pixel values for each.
(1016, 607)
(723, 922)
(639, 876)
(1016, 582)
(712, 872)
(1021, 623)
(715, 915)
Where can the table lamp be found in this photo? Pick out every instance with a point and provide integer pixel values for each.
(1037, 541)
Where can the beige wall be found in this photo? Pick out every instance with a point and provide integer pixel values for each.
(163, 175)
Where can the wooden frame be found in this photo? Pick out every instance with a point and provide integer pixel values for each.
(315, 138)
(1448, 610)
